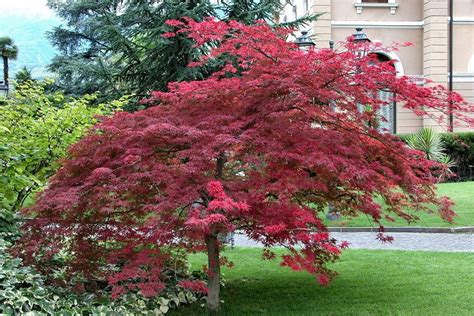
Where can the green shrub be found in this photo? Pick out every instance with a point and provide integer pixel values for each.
(23, 291)
(460, 147)
(36, 128)
(431, 144)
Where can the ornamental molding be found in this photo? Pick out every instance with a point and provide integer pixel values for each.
(392, 5)
(462, 20)
(379, 24)
(462, 77)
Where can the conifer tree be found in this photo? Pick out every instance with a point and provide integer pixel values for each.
(116, 46)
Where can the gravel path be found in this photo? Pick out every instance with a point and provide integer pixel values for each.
(403, 241)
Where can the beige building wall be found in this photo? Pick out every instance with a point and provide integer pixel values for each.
(407, 10)
(322, 26)
(463, 54)
(463, 48)
(464, 87)
(382, 24)
(424, 23)
(435, 52)
(411, 56)
(463, 8)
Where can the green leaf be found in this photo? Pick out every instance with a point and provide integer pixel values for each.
(164, 309)
(3, 128)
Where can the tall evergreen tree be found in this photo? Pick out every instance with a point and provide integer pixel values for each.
(117, 46)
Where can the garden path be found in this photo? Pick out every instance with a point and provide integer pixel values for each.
(402, 241)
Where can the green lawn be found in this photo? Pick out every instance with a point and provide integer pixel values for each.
(462, 193)
(370, 283)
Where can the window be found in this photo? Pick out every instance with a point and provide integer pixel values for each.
(392, 5)
(387, 113)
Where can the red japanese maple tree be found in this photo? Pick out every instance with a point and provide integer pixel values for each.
(262, 147)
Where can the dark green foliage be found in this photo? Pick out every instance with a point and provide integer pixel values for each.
(23, 76)
(460, 147)
(116, 47)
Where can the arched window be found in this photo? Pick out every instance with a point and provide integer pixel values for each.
(388, 114)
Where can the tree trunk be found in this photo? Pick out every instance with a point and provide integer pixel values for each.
(214, 279)
(5, 70)
(214, 282)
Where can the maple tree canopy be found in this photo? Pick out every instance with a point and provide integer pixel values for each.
(263, 146)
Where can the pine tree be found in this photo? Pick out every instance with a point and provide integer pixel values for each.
(116, 46)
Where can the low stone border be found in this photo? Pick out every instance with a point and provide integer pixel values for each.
(432, 230)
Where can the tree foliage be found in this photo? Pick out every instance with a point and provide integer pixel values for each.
(8, 50)
(35, 130)
(23, 76)
(115, 46)
(263, 153)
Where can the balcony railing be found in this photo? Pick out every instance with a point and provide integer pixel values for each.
(3, 88)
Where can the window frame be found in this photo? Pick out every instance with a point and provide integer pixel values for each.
(392, 5)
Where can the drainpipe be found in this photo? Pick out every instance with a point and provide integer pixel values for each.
(450, 64)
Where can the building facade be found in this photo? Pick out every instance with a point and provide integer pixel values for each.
(441, 31)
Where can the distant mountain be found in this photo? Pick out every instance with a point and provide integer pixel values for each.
(29, 34)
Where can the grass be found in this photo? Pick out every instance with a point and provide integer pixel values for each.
(462, 193)
(369, 283)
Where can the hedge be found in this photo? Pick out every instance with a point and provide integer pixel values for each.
(460, 146)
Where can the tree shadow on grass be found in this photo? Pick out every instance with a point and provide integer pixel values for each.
(369, 283)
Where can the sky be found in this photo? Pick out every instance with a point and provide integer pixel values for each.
(27, 23)
(28, 8)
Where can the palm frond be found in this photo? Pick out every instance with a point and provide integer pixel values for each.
(430, 143)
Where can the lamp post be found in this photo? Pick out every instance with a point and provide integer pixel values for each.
(304, 42)
(360, 38)
(331, 45)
